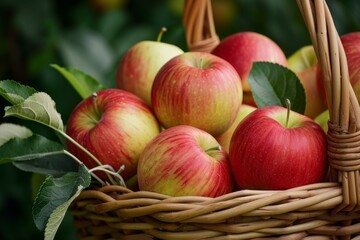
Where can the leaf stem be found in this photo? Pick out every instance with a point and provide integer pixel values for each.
(87, 152)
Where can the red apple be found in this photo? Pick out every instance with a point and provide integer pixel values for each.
(267, 151)
(184, 160)
(140, 64)
(224, 138)
(197, 89)
(115, 126)
(242, 49)
(304, 64)
(351, 44)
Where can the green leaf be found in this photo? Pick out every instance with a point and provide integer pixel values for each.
(271, 84)
(35, 146)
(15, 92)
(53, 164)
(55, 196)
(58, 215)
(39, 107)
(83, 83)
(9, 131)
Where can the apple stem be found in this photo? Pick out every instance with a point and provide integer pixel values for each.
(216, 148)
(162, 30)
(201, 62)
(288, 107)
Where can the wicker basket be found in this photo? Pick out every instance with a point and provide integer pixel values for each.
(329, 210)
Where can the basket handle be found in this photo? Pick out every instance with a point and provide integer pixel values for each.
(344, 123)
(199, 26)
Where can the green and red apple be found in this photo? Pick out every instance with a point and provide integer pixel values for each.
(274, 148)
(140, 64)
(115, 126)
(197, 89)
(242, 49)
(185, 161)
(304, 64)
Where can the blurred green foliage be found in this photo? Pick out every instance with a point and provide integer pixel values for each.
(92, 37)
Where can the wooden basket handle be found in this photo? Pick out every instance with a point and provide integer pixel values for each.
(199, 26)
(344, 123)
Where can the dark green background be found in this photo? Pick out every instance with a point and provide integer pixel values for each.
(37, 33)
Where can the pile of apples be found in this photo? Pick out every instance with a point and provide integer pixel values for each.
(185, 123)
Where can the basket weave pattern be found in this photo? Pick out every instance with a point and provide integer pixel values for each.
(329, 210)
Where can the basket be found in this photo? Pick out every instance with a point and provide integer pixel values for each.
(328, 210)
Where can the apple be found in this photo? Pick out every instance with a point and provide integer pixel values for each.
(184, 160)
(139, 65)
(304, 64)
(224, 138)
(242, 49)
(115, 126)
(274, 148)
(322, 119)
(197, 89)
(351, 44)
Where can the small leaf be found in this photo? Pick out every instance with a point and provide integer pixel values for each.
(9, 131)
(58, 214)
(272, 83)
(83, 83)
(15, 92)
(39, 107)
(55, 196)
(53, 164)
(35, 146)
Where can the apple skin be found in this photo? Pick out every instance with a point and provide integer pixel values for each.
(303, 63)
(197, 89)
(225, 138)
(115, 126)
(184, 161)
(242, 49)
(322, 119)
(264, 154)
(138, 67)
(351, 44)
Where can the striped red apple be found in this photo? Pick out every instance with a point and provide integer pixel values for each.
(242, 49)
(197, 89)
(184, 160)
(115, 126)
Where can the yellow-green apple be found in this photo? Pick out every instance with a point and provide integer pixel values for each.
(184, 160)
(242, 49)
(322, 119)
(224, 138)
(115, 126)
(139, 65)
(275, 148)
(304, 64)
(197, 89)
